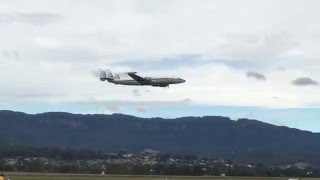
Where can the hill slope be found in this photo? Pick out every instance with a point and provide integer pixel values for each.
(242, 140)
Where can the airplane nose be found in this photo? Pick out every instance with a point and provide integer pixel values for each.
(182, 80)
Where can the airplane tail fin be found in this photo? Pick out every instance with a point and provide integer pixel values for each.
(106, 75)
(116, 76)
(103, 76)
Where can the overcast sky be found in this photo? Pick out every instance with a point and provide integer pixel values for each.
(254, 59)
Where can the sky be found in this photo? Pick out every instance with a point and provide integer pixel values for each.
(241, 59)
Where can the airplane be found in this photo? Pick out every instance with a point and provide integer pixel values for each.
(136, 80)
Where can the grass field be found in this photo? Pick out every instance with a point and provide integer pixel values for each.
(43, 176)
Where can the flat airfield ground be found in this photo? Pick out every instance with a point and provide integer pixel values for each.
(44, 176)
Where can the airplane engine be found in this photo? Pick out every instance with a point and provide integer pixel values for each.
(148, 79)
(155, 83)
(151, 81)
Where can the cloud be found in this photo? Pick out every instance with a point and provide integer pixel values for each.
(35, 95)
(256, 75)
(304, 81)
(213, 57)
(10, 54)
(136, 92)
(140, 106)
(141, 109)
(275, 97)
(257, 46)
(32, 18)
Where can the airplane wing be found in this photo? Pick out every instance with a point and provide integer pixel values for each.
(136, 77)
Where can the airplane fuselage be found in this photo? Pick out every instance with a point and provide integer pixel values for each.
(161, 82)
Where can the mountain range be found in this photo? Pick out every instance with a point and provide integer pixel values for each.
(242, 140)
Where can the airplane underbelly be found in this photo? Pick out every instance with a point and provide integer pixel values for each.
(128, 82)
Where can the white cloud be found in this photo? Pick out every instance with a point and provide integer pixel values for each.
(256, 75)
(304, 81)
(58, 49)
(140, 106)
(34, 18)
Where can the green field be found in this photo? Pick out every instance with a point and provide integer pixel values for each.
(43, 176)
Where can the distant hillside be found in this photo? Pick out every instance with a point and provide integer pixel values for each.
(242, 140)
